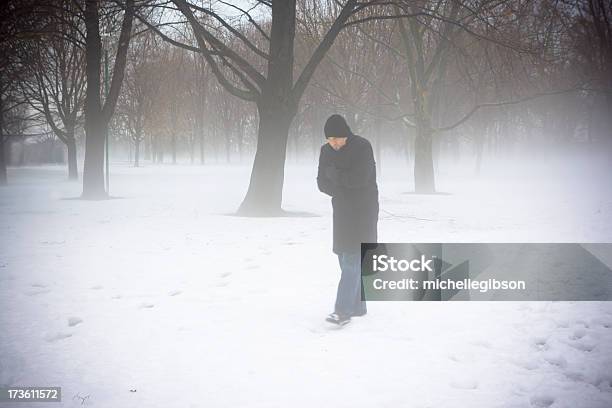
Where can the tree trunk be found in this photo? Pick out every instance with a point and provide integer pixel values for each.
(154, 148)
(479, 151)
(378, 130)
(173, 148)
(201, 133)
(159, 151)
(93, 168)
(423, 162)
(192, 143)
(95, 127)
(73, 171)
(3, 178)
(240, 142)
(265, 192)
(227, 145)
(137, 152)
(277, 107)
(21, 160)
(147, 147)
(296, 147)
(97, 116)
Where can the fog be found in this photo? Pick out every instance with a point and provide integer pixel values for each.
(164, 241)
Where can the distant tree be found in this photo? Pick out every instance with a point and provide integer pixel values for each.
(54, 84)
(142, 86)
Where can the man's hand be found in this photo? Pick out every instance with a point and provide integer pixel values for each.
(332, 174)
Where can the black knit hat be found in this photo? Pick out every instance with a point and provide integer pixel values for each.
(336, 126)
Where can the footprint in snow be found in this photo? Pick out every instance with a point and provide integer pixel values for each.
(52, 338)
(116, 297)
(252, 266)
(575, 376)
(603, 381)
(225, 274)
(37, 291)
(175, 293)
(455, 358)
(602, 321)
(584, 345)
(73, 321)
(52, 242)
(578, 334)
(541, 401)
(540, 343)
(147, 305)
(38, 285)
(97, 287)
(582, 323)
(555, 359)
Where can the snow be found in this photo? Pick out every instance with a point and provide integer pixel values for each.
(161, 298)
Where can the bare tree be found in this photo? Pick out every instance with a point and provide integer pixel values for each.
(97, 113)
(18, 24)
(55, 81)
(143, 85)
(263, 76)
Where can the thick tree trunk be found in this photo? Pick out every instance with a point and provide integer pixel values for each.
(93, 168)
(277, 107)
(424, 182)
(97, 116)
(96, 127)
(265, 192)
(73, 171)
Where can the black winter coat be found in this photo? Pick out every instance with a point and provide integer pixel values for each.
(348, 175)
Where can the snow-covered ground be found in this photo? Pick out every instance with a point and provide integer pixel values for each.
(162, 298)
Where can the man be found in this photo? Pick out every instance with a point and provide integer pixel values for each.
(347, 173)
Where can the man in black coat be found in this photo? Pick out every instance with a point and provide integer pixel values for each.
(347, 173)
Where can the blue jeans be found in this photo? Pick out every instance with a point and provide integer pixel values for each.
(348, 298)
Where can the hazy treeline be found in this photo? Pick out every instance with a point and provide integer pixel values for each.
(223, 81)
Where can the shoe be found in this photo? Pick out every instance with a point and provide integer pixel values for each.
(340, 320)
